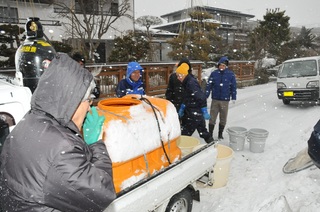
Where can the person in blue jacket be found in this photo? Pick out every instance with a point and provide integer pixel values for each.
(133, 83)
(223, 86)
(193, 110)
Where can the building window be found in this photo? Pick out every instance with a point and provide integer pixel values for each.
(9, 15)
(93, 7)
(114, 8)
(38, 1)
(90, 7)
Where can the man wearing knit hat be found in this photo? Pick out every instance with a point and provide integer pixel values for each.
(223, 86)
(193, 110)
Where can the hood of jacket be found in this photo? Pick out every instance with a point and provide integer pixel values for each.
(223, 60)
(61, 88)
(133, 66)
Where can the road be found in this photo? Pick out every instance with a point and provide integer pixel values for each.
(256, 181)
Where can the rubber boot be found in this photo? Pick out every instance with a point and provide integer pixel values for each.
(211, 128)
(209, 140)
(221, 128)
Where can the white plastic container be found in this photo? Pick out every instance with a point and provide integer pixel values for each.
(187, 144)
(237, 137)
(222, 166)
(257, 139)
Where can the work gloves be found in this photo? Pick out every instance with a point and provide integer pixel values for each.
(181, 110)
(205, 113)
(92, 127)
(204, 110)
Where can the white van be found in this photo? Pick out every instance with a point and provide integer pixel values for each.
(298, 80)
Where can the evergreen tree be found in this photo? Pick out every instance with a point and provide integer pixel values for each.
(129, 47)
(306, 38)
(270, 35)
(196, 38)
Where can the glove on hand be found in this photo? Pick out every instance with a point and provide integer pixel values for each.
(181, 110)
(92, 126)
(205, 113)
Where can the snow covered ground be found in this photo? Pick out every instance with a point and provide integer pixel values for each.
(256, 182)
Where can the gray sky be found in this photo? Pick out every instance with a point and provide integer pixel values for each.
(301, 12)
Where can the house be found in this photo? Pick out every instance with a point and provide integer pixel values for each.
(233, 25)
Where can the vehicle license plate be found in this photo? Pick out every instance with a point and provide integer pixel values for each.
(288, 93)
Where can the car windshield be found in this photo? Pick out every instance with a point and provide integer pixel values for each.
(299, 69)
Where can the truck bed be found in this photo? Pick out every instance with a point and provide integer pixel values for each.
(149, 194)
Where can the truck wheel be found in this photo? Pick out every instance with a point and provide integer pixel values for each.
(180, 202)
(285, 101)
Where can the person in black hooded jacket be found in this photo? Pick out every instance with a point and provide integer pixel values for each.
(82, 61)
(193, 110)
(46, 163)
(175, 90)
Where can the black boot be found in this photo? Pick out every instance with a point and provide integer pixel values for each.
(209, 140)
(211, 128)
(221, 128)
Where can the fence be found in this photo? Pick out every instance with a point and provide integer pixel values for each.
(243, 70)
(155, 76)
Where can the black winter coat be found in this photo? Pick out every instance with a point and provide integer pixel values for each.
(175, 91)
(45, 163)
(194, 97)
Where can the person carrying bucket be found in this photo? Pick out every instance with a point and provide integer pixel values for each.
(193, 110)
(133, 83)
(223, 86)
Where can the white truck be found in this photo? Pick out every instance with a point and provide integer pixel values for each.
(172, 189)
(298, 80)
(14, 104)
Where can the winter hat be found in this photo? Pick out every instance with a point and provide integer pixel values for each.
(133, 66)
(183, 69)
(223, 60)
(79, 58)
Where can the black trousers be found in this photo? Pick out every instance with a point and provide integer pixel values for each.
(191, 122)
(314, 145)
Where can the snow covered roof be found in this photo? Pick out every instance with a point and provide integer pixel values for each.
(178, 22)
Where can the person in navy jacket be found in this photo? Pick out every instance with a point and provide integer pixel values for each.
(193, 110)
(175, 90)
(133, 83)
(223, 86)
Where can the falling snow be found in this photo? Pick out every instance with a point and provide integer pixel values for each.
(256, 181)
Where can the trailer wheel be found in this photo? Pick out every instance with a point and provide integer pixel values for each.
(180, 202)
(285, 101)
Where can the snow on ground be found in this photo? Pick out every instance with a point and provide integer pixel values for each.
(256, 181)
